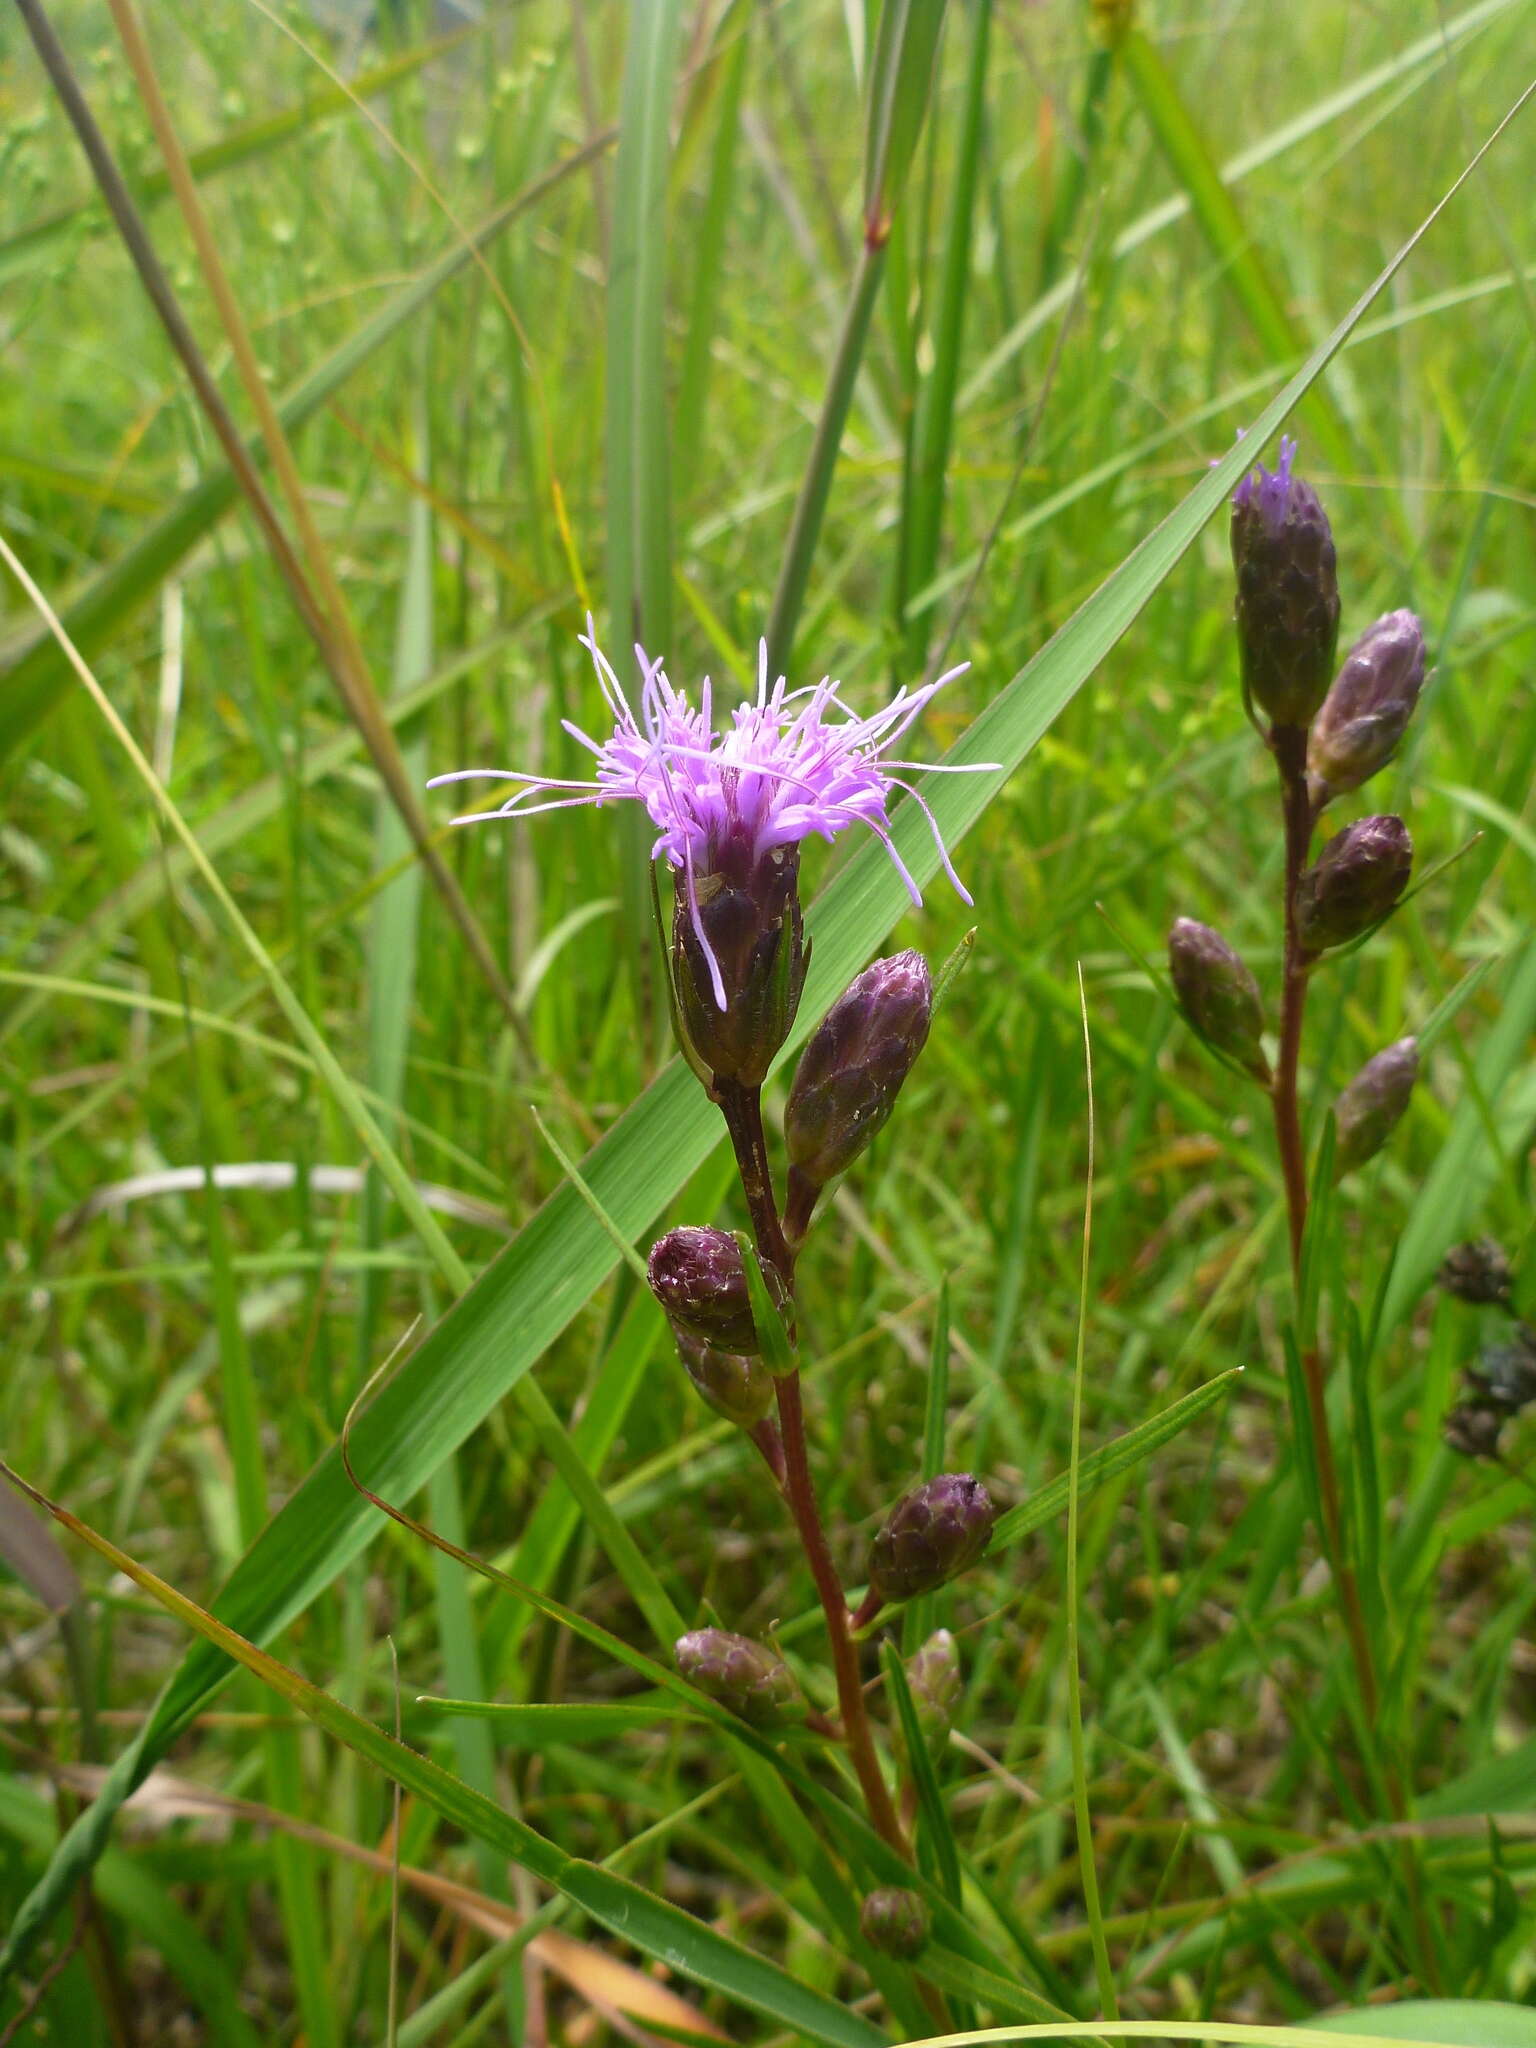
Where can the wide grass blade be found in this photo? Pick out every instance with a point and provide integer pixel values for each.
(660, 1930)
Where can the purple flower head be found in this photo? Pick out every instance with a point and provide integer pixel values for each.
(1267, 491)
(1287, 609)
(790, 764)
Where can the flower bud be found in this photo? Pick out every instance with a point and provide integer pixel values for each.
(1368, 1110)
(895, 1921)
(1367, 710)
(931, 1535)
(1353, 883)
(853, 1065)
(1287, 592)
(747, 1677)
(739, 958)
(1474, 1430)
(1505, 1374)
(1477, 1272)
(1218, 995)
(933, 1679)
(697, 1275)
(739, 1388)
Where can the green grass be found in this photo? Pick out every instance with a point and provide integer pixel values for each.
(671, 387)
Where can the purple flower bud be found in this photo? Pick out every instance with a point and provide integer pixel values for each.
(739, 1388)
(739, 958)
(697, 1275)
(747, 1677)
(931, 1535)
(1367, 711)
(1218, 995)
(1287, 591)
(1353, 883)
(1369, 1109)
(933, 1679)
(1474, 1430)
(895, 1921)
(852, 1068)
(1477, 1272)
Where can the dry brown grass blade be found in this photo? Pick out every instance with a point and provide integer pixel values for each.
(613, 1988)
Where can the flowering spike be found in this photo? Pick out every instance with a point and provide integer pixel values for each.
(1367, 711)
(931, 1535)
(697, 1275)
(1218, 995)
(747, 1677)
(737, 1387)
(1477, 1272)
(1353, 883)
(850, 1074)
(895, 1921)
(1287, 591)
(731, 809)
(1369, 1109)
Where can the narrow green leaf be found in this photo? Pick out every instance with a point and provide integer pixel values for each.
(1109, 1461)
(660, 1930)
(35, 676)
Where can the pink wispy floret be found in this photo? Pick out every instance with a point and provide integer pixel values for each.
(790, 765)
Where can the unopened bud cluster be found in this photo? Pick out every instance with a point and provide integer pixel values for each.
(1501, 1380)
(1328, 738)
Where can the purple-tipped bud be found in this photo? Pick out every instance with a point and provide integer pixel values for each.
(1218, 995)
(1287, 591)
(1474, 1430)
(854, 1063)
(1353, 883)
(697, 1275)
(1367, 711)
(931, 1535)
(745, 1676)
(1370, 1108)
(737, 1387)
(1477, 1272)
(933, 1679)
(895, 1921)
(1505, 1374)
(749, 910)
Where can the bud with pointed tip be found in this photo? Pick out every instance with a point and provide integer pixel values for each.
(1367, 710)
(1477, 1272)
(1218, 995)
(737, 1387)
(697, 1275)
(1287, 591)
(852, 1069)
(1369, 1109)
(739, 957)
(931, 1535)
(747, 1677)
(1353, 883)
(895, 1921)
(933, 1679)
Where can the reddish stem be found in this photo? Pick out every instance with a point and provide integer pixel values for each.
(743, 1112)
(1289, 745)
